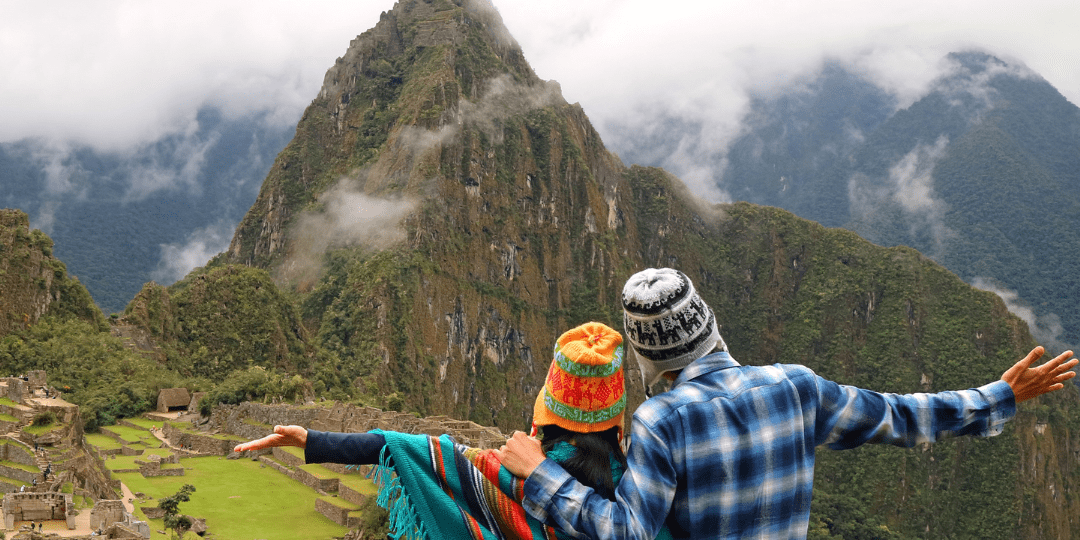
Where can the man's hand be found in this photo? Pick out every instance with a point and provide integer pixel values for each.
(521, 454)
(282, 436)
(1028, 382)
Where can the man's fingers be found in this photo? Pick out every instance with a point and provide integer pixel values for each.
(1061, 365)
(1031, 357)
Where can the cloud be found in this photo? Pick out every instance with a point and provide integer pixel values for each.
(347, 218)
(634, 65)
(61, 172)
(1045, 328)
(909, 187)
(174, 162)
(118, 73)
(199, 247)
(503, 98)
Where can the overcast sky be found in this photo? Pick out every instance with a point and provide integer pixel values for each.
(115, 74)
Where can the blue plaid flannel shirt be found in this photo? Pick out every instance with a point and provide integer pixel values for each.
(728, 452)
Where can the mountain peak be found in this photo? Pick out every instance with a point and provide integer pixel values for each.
(422, 24)
(401, 89)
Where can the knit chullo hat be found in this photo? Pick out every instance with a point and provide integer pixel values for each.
(668, 324)
(584, 390)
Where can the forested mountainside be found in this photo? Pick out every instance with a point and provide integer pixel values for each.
(49, 322)
(442, 215)
(34, 283)
(982, 174)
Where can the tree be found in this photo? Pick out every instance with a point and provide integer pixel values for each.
(171, 505)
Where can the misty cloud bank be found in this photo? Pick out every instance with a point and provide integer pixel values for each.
(909, 187)
(178, 259)
(145, 70)
(120, 218)
(1046, 329)
(347, 218)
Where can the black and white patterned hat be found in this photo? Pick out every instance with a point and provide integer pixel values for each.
(667, 323)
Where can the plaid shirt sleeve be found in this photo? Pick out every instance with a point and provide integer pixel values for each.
(850, 417)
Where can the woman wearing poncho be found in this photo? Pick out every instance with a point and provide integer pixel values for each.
(435, 488)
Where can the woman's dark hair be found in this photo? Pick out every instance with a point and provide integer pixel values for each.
(591, 464)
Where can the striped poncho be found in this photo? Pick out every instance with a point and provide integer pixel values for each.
(435, 488)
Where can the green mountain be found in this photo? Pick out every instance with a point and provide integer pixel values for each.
(443, 214)
(981, 174)
(33, 282)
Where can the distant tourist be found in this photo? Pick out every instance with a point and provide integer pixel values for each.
(579, 416)
(728, 451)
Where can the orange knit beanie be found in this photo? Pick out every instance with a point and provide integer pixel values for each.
(584, 390)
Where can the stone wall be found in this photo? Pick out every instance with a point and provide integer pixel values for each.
(153, 512)
(15, 388)
(195, 443)
(8, 426)
(337, 514)
(152, 467)
(287, 458)
(37, 378)
(350, 495)
(14, 450)
(255, 420)
(129, 451)
(18, 474)
(65, 413)
(196, 397)
(238, 419)
(289, 465)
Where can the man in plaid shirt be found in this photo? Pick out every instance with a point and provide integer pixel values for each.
(728, 452)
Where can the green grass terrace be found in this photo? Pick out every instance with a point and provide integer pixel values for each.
(240, 499)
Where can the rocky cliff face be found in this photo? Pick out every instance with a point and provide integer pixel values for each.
(443, 214)
(32, 281)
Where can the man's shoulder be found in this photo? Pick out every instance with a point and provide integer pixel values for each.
(728, 383)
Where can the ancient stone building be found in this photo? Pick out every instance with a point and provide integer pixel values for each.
(171, 399)
(38, 507)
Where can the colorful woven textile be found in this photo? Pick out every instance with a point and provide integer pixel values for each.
(435, 489)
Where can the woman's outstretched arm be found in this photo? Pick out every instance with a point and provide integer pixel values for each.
(322, 446)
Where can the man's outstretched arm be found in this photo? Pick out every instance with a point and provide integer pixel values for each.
(1028, 382)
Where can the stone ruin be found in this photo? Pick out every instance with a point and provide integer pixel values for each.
(114, 521)
(34, 496)
(253, 420)
(57, 450)
(247, 420)
(152, 466)
(38, 507)
(173, 399)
